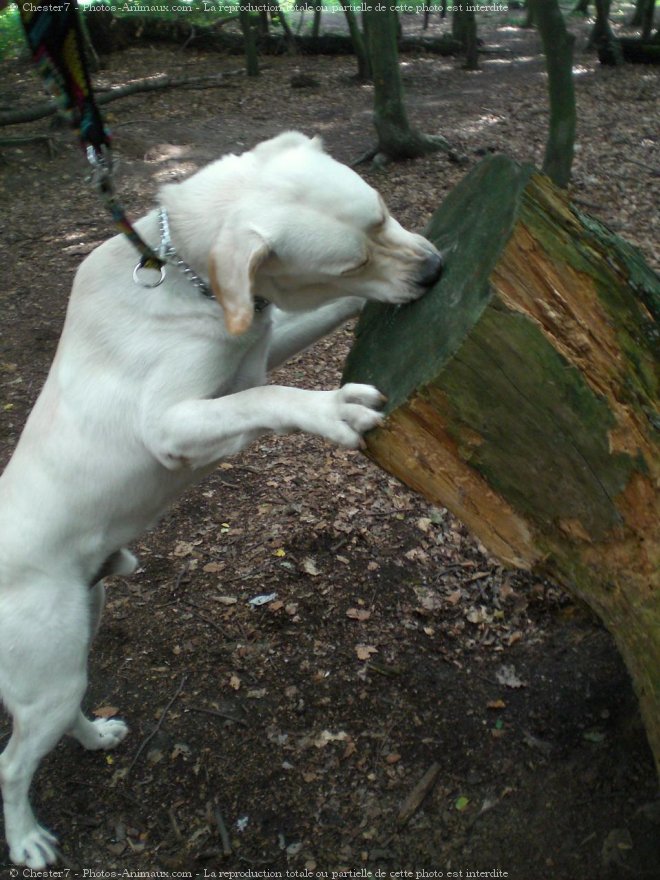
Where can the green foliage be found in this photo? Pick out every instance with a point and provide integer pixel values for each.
(12, 38)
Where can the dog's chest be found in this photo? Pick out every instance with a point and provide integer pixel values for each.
(250, 364)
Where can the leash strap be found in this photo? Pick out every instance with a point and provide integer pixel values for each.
(56, 44)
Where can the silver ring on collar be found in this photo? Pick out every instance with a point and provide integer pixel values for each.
(142, 283)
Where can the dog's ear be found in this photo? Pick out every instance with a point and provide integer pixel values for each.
(233, 263)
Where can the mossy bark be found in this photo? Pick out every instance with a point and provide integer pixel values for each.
(523, 394)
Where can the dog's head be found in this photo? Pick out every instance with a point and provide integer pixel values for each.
(298, 229)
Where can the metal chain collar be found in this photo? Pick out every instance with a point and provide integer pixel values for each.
(168, 254)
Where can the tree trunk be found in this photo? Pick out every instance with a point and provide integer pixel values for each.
(396, 138)
(251, 57)
(523, 395)
(558, 50)
(364, 68)
(284, 24)
(648, 12)
(316, 26)
(464, 29)
(528, 21)
(636, 19)
(427, 13)
(602, 37)
(581, 7)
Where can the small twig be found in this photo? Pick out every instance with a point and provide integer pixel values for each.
(180, 576)
(480, 576)
(390, 672)
(393, 512)
(158, 726)
(174, 824)
(490, 681)
(655, 171)
(414, 800)
(216, 713)
(338, 545)
(203, 617)
(222, 830)
(250, 469)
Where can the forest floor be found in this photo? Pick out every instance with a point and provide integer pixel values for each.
(395, 646)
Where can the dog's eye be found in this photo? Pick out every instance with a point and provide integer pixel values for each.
(354, 270)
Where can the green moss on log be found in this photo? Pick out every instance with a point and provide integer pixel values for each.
(472, 242)
(551, 462)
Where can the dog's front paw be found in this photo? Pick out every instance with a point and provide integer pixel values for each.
(109, 732)
(357, 410)
(36, 850)
(103, 733)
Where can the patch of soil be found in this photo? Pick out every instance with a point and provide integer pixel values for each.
(301, 727)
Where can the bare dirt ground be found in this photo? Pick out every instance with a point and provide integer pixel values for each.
(289, 736)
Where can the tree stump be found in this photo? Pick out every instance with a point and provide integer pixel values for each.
(522, 395)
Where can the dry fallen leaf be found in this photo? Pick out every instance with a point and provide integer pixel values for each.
(213, 567)
(496, 704)
(327, 736)
(364, 652)
(506, 675)
(358, 614)
(478, 615)
(308, 565)
(105, 711)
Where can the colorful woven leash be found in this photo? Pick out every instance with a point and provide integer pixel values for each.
(56, 43)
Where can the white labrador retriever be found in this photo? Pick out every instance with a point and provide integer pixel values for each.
(150, 387)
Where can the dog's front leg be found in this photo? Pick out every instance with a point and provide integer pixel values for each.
(293, 332)
(196, 433)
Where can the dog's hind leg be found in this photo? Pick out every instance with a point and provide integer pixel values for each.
(44, 637)
(103, 733)
(29, 843)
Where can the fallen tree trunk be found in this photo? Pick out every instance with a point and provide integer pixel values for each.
(115, 32)
(523, 393)
(640, 51)
(150, 84)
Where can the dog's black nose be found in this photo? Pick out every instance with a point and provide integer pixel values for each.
(431, 270)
